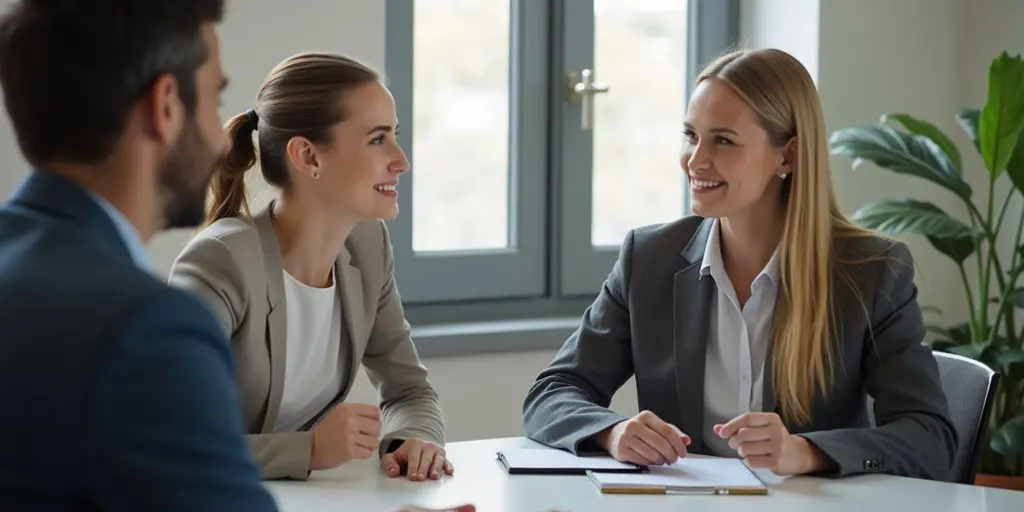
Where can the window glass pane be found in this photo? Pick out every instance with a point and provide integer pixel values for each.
(640, 53)
(460, 125)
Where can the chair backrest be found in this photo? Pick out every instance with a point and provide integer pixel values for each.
(970, 387)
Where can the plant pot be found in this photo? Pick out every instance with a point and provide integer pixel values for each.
(1015, 483)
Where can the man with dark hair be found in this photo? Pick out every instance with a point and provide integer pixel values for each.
(116, 391)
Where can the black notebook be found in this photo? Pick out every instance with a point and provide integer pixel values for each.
(541, 461)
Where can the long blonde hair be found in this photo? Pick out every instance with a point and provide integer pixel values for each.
(782, 94)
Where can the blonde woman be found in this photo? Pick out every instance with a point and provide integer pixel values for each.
(756, 327)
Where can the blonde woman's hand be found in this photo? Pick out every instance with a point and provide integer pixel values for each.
(644, 439)
(418, 459)
(763, 441)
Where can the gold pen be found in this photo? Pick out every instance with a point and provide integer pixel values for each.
(722, 491)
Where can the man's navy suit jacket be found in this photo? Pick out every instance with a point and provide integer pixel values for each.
(116, 391)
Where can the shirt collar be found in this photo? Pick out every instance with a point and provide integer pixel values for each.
(714, 265)
(128, 234)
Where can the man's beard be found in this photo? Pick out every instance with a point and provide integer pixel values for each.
(185, 178)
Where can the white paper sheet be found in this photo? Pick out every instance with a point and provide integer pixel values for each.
(693, 474)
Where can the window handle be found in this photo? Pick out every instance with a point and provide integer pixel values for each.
(582, 89)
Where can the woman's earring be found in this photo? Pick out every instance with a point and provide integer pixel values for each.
(316, 175)
(782, 175)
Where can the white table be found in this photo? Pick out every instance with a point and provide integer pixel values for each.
(479, 479)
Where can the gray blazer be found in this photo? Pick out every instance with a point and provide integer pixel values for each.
(650, 321)
(235, 267)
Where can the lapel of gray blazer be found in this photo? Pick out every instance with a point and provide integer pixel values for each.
(691, 303)
(277, 318)
(350, 290)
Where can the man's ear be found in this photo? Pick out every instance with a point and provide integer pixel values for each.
(164, 112)
(302, 155)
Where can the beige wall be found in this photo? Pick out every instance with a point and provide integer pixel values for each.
(922, 56)
(910, 62)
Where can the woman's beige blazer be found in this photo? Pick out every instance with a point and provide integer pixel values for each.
(235, 267)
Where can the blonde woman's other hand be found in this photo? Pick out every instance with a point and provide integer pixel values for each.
(763, 441)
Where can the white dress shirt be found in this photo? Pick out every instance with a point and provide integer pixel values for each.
(737, 343)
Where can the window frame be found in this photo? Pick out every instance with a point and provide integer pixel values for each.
(432, 277)
(713, 28)
(556, 272)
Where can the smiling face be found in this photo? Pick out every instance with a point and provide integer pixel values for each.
(357, 173)
(729, 160)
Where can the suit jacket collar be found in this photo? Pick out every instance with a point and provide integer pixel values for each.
(712, 262)
(694, 250)
(57, 196)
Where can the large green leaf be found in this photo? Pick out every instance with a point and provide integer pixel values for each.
(1008, 440)
(911, 216)
(900, 152)
(1002, 118)
(922, 127)
(968, 119)
(958, 249)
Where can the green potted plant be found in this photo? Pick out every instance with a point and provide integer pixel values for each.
(992, 334)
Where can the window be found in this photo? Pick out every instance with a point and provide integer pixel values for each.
(539, 133)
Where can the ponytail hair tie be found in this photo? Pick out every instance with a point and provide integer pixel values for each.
(254, 119)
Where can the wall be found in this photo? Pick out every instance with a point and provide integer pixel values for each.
(878, 57)
(789, 25)
(924, 56)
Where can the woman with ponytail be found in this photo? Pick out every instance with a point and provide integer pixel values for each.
(757, 327)
(305, 287)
